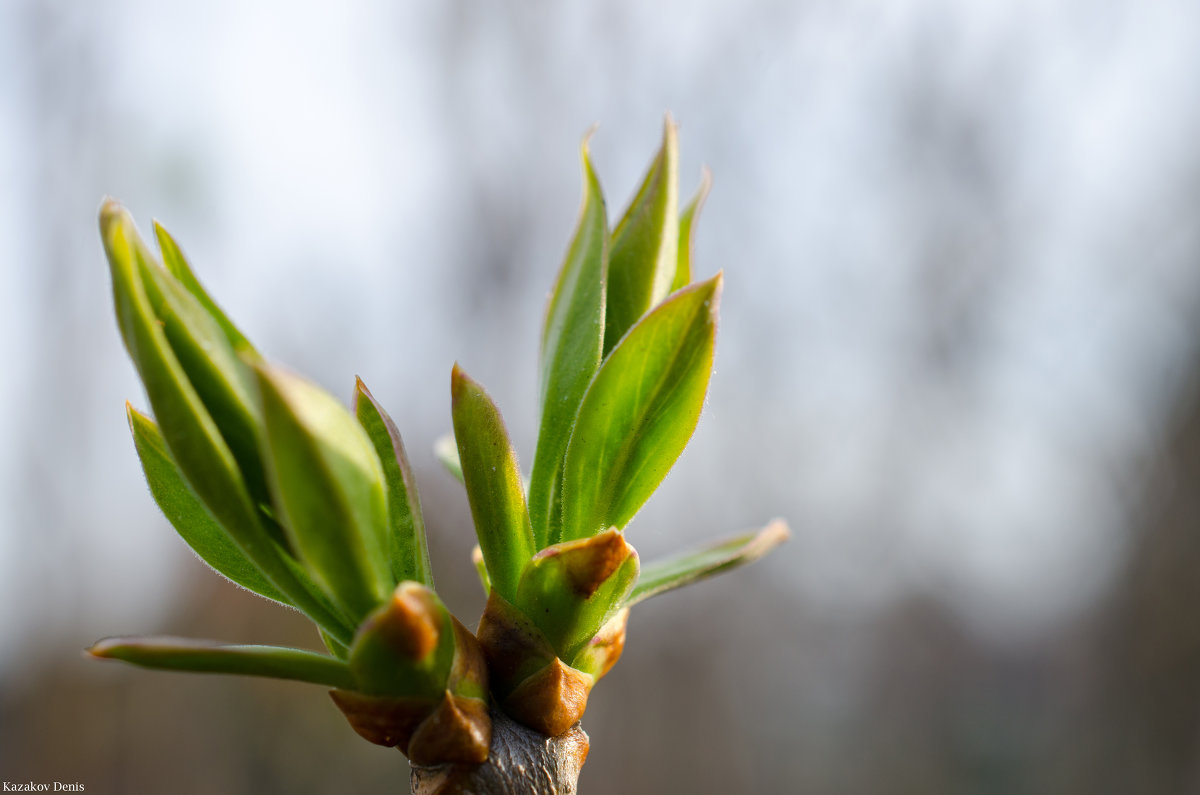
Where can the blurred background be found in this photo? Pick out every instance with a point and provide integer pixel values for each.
(959, 353)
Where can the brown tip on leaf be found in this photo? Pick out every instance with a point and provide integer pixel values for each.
(103, 648)
(552, 700)
(458, 731)
(111, 211)
(457, 384)
(411, 621)
(774, 534)
(589, 562)
(360, 392)
(388, 722)
(587, 138)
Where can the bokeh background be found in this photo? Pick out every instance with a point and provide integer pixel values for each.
(958, 353)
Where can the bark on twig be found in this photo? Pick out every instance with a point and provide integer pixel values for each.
(521, 762)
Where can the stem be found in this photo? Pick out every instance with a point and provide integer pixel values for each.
(521, 762)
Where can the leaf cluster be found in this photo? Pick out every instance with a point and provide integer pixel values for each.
(281, 489)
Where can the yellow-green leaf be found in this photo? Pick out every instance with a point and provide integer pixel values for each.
(675, 572)
(178, 267)
(643, 255)
(211, 657)
(493, 481)
(683, 265)
(407, 545)
(187, 513)
(222, 381)
(327, 484)
(191, 436)
(639, 412)
(572, 341)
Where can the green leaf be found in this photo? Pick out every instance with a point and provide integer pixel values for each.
(493, 482)
(446, 450)
(405, 648)
(191, 436)
(643, 255)
(676, 572)
(572, 341)
(222, 381)
(328, 488)
(178, 267)
(683, 266)
(571, 590)
(210, 657)
(639, 412)
(335, 646)
(408, 547)
(187, 513)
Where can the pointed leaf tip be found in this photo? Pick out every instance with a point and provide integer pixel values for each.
(493, 480)
(407, 546)
(111, 212)
(177, 265)
(572, 344)
(327, 484)
(687, 220)
(644, 250)
(675, 572)
(586, 141)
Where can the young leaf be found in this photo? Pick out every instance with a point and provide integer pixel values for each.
(223, 382)
(683, 265)
(643, 255)
(209, 657)
(667, 575)
(328, 487)
(639, 412)
(178, 267)
(408, 548)
(187, 513)
(406, 646)
(572, 341)
(191, 436)
(493, 482)
(571, 590)
(335, 646)
(446, 450)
